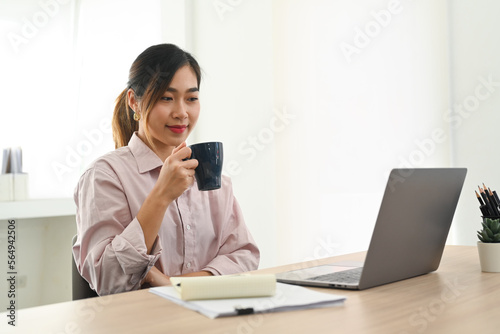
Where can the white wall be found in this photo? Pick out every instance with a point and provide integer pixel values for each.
(352, 117)
(305, 125)
(475, 54)
(234, 47)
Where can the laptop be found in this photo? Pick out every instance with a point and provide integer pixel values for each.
(409, 234)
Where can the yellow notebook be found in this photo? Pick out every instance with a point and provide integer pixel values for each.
(223, 287)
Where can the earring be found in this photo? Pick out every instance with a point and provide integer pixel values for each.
(137, 117)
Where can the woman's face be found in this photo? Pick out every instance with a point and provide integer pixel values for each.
(174, 116)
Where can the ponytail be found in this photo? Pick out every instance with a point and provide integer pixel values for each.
(123, 125)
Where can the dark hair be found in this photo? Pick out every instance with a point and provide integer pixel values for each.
(149, 77)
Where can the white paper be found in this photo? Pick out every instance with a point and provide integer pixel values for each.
(6, 161)
(287, 298)
(16, 160)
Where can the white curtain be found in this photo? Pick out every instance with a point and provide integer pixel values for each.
(63, 64)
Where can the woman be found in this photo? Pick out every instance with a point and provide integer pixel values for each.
(140, 218)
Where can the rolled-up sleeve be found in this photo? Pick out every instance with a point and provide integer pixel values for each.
(110, 251)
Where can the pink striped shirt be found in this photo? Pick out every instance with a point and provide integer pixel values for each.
(201, 230)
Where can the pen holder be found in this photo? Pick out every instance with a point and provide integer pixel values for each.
(6, 187)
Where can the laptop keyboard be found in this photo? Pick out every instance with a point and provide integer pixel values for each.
(347, 276)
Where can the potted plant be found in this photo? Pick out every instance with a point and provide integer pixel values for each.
(488, 245)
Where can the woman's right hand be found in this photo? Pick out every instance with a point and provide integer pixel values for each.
(177, 174)
(175, 177)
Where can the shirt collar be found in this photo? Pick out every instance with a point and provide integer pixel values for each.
(146, 159)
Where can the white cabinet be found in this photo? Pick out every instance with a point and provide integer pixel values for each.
(37, 208)
(44, 229)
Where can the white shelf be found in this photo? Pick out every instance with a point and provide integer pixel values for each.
(37, 208)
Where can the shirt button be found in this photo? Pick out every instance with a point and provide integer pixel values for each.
(188, 227)
(188, 265)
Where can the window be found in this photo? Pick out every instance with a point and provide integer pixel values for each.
(65, 62)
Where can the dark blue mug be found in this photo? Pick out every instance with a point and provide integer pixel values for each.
(209, 171)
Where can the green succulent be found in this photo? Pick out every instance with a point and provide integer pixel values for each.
(490, 232)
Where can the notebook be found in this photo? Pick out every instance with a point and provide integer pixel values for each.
(409, 234)
(286, 298)
(224, 287)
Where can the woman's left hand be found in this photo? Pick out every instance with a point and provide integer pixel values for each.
(155, 278)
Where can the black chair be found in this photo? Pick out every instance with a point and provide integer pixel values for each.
(81, 288)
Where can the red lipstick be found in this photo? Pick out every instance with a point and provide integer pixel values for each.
(177, 128)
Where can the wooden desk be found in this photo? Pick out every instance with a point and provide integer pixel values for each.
(458, 298)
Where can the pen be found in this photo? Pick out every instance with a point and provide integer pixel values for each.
(487, 203)
(479, 198)
(243, 310)
(484, 210)
(492, 201)
(496, 196)
(486, 191)
(493, 197)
